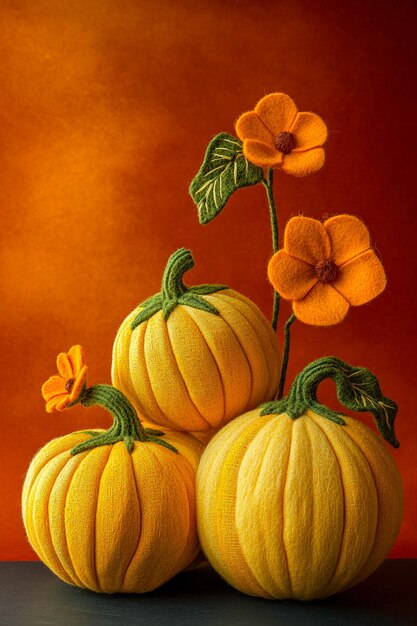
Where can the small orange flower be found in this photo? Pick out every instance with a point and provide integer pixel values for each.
(60, 391)
(326, 267)
(277, 135)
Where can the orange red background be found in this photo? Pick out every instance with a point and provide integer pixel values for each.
(106, 107)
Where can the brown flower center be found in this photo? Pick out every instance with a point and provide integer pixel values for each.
(285, 142)
(69, 384)
(326, 271)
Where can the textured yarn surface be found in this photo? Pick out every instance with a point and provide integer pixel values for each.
(354, 273)
(297, 509)
(276, 117)
(109, 520)
(224, 170)
(195, 371)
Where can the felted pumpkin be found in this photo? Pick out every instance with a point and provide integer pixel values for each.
(113, 511)
(193, 358)
(294, 501)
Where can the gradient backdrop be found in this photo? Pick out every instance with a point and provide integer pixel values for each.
(106, 107)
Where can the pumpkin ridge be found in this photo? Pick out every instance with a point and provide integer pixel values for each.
(180, 477)
(354, 461)
(73, 574)
(284, 549)
(206, 494)
(169, 341)
(180, 564)
(116, 467)
(342, 537)
(270, 424)
(255, 389)
(162, 417)
(142, 507)
(207, 497)
(163, 337)
(233, 332)
(143, 576)
(28, 486)
(211, 341)
(241, 298)
(140, 523)
(232, 302)
(272, 340)
(235, 443)
(74, 560)
(315, 426)
(60, 461)
(94, 560)
(215, 364)
(378, 506)
(48, 524)
(360, 576)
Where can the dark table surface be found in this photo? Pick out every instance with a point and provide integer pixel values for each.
(32, 596)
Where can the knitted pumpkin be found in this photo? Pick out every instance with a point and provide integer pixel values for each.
(294, 501)
(193, 358)
(113, 511)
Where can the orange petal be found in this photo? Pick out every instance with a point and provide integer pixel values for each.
(76, 358)
(78, 384)
(261, 154)
(303, 163)
(310, 131)
(348, 237)
(64, 366)
(306, 240)
(54, 386)
(52, 403)
(249, 126)
(292, 278)
(322, 306)
(361, 279)
(277, 111)
(62, 404)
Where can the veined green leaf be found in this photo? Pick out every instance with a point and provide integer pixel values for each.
(224, 170)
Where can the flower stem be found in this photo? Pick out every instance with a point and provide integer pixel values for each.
(286, 355)
(268, 184)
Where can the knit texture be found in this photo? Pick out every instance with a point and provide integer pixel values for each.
(111, 520)
(325, 268)
(224, 170)
(126, 426)
(174, 292)
(276, 135)
(296, 508)
(195, 371)
(357, 389)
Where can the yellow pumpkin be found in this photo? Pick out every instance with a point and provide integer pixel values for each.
(113, 511)
(294, 501)
(193, 358)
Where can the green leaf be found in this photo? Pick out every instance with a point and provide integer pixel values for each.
(358, 389)
(224, 170)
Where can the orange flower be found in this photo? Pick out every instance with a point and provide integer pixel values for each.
(277, 135)
(60, 391)
(326, 267)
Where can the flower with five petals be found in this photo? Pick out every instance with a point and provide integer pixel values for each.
(325, 268)
(277, 135)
